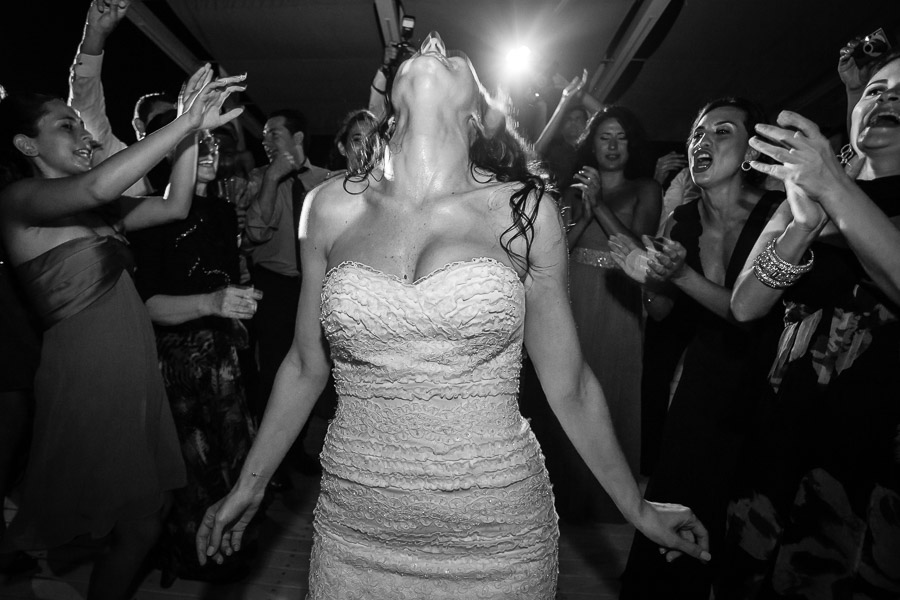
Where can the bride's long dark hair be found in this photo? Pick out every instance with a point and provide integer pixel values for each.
(500, 154)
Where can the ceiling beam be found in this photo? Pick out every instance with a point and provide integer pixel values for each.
(144, 19)
(617, 59)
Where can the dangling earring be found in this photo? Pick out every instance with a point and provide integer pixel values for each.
(745, 166)
(846, 155)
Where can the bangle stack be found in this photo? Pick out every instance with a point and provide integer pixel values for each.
(775, 272)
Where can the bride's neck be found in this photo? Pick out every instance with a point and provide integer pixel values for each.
(428, 155)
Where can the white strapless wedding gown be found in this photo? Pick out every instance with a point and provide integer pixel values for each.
(434, 485)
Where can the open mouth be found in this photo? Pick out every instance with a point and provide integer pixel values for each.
(701, 160)
(887, 118)
(612, 157)
(85, 153)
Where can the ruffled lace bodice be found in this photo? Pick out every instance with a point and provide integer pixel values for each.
(434, 483)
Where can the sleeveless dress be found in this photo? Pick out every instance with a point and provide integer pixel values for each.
(104, 447)
(723, 376)
(433, 486)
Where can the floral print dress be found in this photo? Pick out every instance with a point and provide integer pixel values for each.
(817, 510)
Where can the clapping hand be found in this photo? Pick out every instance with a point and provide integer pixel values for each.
(588, 179)
(808, 167)
(630, 257)
(673, 161)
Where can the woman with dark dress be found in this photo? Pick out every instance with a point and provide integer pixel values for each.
(816, 514)
(104, 453)
(186, 271)
(690, 279)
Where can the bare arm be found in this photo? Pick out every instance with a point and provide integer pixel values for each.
(573, 391)
(300, 379)
(751, 299)
(34, 201)
(549, 132)
(229, 302)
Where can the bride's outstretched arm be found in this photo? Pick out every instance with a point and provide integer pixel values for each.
(298, 384)
(577, 399)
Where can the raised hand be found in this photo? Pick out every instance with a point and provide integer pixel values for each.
(105, 15)
(576, 85)
(805, 155)
(853, 77)
(203, 107)
(192, 87)
(673, 161)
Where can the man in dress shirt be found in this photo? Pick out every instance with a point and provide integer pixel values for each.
(271, 238)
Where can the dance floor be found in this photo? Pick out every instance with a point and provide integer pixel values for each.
(591, 559)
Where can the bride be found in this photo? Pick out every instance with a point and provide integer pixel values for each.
(420, 284)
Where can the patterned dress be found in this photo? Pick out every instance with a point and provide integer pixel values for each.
(817, 513)
(202, 375)
(434, 485)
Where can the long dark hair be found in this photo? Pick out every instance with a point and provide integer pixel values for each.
(502, 153)
(19, 115)
(753, 115)
(637, 165)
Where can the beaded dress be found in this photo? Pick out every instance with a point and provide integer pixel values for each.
(434, 485)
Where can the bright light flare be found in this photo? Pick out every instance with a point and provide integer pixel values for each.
(518, 61)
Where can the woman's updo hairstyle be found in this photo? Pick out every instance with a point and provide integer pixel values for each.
(19, 115)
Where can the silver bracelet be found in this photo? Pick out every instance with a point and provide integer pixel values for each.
(775, 272)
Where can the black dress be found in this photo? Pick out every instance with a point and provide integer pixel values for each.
(201, 372)
(817, 511)
(723, 373)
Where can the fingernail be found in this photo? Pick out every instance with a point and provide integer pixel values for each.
(705, 556)
(210, 551)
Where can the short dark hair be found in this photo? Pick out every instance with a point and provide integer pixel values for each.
(294, 120)
(753, 115)
(144, 105)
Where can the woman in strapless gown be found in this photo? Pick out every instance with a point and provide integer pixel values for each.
(104, 452)
(419, 290)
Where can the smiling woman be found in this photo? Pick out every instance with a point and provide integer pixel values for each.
(820, 471)
(104, 453)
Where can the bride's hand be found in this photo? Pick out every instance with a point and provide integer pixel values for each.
(676, 529)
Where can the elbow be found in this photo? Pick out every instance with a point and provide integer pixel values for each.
(743, 311)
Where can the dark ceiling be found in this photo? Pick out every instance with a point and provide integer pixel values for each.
(320, 55)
